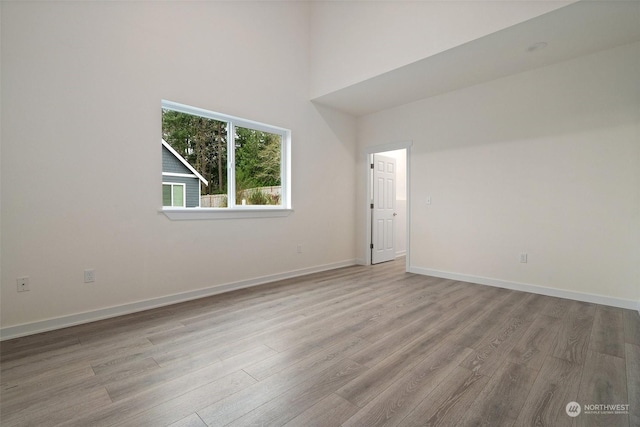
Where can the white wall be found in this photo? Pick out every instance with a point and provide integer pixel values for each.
(81, 170)
(545, 162)
(352, 41)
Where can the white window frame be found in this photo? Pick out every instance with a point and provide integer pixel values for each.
(234, 210)
(184, 194)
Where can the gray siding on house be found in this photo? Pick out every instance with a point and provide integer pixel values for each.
(192, 189)
(171, 164)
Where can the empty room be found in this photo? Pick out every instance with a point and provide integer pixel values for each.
(320, 213)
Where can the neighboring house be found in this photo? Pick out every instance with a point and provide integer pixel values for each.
(180, 181)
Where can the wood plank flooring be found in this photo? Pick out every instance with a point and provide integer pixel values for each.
(357, 346)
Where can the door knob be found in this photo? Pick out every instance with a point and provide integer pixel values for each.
(395, 214)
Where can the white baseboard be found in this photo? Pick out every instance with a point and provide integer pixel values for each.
(535, 289)
(106, 313)
(400, 254)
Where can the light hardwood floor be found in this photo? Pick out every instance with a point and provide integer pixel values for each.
(358, 346)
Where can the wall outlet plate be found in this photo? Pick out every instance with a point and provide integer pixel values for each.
(23, 284)
(89, 276)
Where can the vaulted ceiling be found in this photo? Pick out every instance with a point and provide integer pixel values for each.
(578, 29)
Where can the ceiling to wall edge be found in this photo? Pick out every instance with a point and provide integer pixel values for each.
(575, 30)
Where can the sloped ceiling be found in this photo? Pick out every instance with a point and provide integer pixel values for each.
(581, 28)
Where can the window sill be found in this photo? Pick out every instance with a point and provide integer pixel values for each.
(182, 214)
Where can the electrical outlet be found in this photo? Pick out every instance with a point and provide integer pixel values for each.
(523, 258)
(89, 276)
(299, 248)
(23, 284)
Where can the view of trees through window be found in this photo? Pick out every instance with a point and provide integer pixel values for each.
(203, 143)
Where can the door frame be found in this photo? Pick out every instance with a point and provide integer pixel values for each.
(367, 154)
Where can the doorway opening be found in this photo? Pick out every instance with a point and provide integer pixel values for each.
(387, 218)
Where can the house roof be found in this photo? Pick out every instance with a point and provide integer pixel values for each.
(166, 145)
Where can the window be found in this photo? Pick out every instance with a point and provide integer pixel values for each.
(230, 164)
(173, 194)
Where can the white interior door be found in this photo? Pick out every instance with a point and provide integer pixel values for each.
(383, 209)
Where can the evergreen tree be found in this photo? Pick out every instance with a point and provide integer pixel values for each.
(203, 143)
